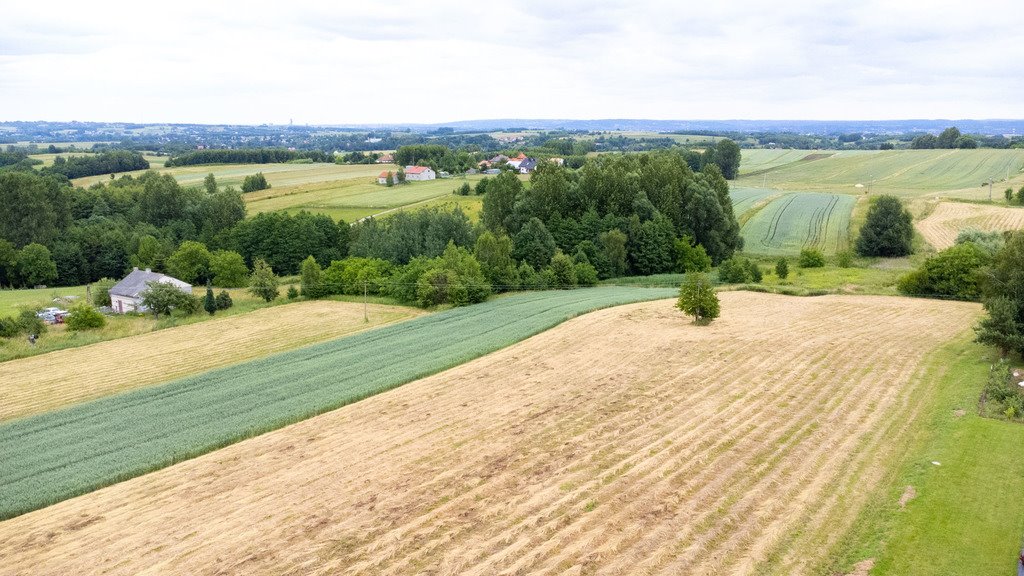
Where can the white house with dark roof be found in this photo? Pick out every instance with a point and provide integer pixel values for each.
(126, 295)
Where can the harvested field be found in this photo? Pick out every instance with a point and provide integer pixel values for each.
(41, 383)
(624, 441)
(941, 227)
(60, 454)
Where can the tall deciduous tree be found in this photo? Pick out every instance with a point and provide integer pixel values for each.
(190, 262)
(534, 244)
(888, 230)
(35, 265)
(263, 282)
(727, 156)
(312, 278)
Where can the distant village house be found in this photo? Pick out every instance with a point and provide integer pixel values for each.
(419, 173)
(126, 295)
(386, 159)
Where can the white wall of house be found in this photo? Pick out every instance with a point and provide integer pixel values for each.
(124, 304)
(427, 174)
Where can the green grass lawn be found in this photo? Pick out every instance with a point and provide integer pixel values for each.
(57, 337)
(968, 515)
(12, 301)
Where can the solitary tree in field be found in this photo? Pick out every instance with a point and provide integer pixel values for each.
(888, 230)
(697, 298)
(210, 182)
(262, 282)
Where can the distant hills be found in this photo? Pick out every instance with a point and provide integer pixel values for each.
(286, 134)
(990, 127)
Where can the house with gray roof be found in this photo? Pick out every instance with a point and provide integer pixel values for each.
(126, 295)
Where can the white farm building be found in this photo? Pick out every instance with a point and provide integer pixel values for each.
(126, 295)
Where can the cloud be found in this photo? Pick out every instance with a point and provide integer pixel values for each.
(406, 61)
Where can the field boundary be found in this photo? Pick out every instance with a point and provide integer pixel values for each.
(71, 451)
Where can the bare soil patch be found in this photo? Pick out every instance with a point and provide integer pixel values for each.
(625, 441)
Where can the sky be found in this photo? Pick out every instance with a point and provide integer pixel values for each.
(405, 61)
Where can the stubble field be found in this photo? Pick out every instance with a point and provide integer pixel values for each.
(745, 447)
(941, 227)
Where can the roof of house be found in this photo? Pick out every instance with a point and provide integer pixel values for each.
(416, 169)
(520, 157)
(386, 158)
(499, 158)
(136, 282)
(384, 174)
(528, 164)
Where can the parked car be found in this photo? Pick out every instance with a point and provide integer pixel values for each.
(52, 315)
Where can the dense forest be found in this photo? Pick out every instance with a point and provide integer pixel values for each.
(619, 214)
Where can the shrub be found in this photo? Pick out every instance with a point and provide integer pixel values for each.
(101, 291)
(9, 327)
(737, 270)
(953, 272)
(811, 258)
(754, 271)
(782, 269)
(731, 271)
(293, 292)
(29, 323)
(564, 271)
(84, 317)
(224, 300)
(586, 275)
(255, 182)
(844, 259)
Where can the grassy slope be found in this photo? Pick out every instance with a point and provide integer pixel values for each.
(62, 378)
(967, 517)
(801, 220)
(907, 173)
(60, 454)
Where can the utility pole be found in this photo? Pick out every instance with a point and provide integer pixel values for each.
(366, 316)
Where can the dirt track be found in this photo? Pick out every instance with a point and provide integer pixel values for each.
(625, 441)
(942, 226)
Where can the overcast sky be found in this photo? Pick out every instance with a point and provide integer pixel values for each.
(409, 61)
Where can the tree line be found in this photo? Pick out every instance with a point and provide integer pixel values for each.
(95, 164)
(246, 156)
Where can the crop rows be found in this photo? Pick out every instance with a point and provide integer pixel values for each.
(901, 172)
(749, 446)
(60, 454)
(41, 383)
(801, 220)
